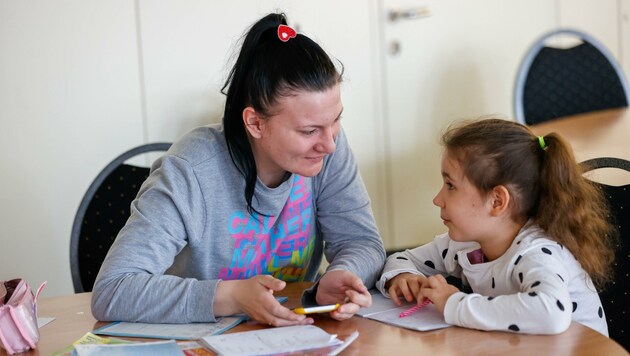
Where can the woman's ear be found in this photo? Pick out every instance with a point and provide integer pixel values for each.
(253, 122)
(500, 198)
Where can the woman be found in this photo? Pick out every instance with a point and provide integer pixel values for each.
(232, 212)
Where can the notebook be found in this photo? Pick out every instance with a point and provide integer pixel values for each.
(384, 310)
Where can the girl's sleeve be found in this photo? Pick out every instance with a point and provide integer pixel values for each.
(542, 304)
(426, 260)
(344, 217)
(131, 284)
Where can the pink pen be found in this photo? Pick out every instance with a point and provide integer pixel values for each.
(414, 309)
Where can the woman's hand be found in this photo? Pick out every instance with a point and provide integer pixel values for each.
(345, 288)
(254, 297)
(438, 291)
(405, 285)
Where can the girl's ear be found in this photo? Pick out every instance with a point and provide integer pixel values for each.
(253, 122)
(500, 199)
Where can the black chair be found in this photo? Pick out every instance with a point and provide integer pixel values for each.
(103, 211)
(556, 82)
(616, 296)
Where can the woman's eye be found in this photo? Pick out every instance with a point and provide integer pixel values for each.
(449, 186)
(309, 132)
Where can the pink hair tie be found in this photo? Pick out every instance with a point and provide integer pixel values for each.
(285, 33)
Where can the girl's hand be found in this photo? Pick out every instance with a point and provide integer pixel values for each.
(254, 297)
(345, 288)
(437, 290)
(405, 285)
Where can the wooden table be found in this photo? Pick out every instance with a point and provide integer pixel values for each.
(74, 319)
(603, 133)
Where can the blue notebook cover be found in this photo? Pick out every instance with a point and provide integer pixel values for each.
(191, 331)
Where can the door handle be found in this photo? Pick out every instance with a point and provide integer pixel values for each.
(409, 14)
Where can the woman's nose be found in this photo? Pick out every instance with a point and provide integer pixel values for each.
(327, 143)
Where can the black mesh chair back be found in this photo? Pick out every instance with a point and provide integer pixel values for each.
(616, 296)
(103, 211)
(557, 82)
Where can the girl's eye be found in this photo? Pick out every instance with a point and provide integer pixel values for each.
(309, 132)
(449, 186)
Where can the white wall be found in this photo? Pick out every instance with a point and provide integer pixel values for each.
(69, 102)
(83, 80)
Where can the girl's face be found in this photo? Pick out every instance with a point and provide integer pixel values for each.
(464, 210)
(297, 136)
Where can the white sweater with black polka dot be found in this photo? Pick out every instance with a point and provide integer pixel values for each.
(536, 287)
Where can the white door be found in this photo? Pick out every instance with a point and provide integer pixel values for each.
(458, 59)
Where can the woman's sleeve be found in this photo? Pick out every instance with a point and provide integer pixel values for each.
(131, 285)
(345, 219)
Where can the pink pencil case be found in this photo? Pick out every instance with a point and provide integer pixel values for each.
(18, 316)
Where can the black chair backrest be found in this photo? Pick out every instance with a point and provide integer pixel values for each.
(103, 211)
(616, 296)
(556, 82)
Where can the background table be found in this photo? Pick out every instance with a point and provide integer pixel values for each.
(74, 319)
(596, 134)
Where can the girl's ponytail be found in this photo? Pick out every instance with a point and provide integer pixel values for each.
(573, 210)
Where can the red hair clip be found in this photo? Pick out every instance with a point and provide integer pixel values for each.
(285, 33)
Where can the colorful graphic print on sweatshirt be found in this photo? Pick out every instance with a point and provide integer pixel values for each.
(280, 246)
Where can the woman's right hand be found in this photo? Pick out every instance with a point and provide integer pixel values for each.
(405, 285)
(254, 297)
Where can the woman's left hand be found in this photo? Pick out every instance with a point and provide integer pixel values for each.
(345, 288)
(437, 290)
(254, 297)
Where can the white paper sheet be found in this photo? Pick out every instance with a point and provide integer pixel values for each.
(271, 341)
(159, 348)
(384, 310)
(41, 321)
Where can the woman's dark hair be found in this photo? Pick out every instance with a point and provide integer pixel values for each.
(266, 69)
(545, 182)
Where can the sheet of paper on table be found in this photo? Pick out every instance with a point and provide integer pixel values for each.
(384, 310)
(169, 347)
(281, 340)
(43, 320)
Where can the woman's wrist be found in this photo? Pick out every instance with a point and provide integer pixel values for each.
(225, 298)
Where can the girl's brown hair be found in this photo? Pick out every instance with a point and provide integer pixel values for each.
(546, 185)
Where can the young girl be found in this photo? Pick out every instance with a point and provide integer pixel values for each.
(526, 233)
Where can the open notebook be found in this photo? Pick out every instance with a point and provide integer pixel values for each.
(384, 310)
